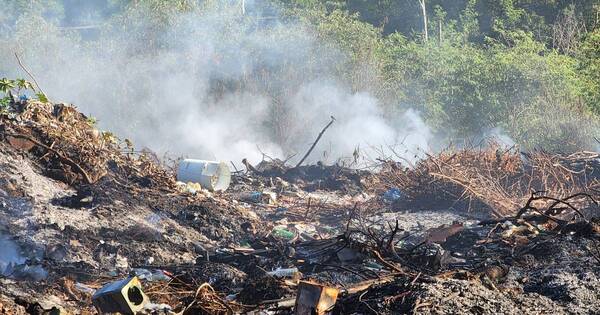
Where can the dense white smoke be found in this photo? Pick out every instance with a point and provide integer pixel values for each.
(360, 123)
(215, 84)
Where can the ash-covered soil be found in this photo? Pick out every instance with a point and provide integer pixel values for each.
(558, 276)
(79, 209)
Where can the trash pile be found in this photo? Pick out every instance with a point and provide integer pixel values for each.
(90, 225)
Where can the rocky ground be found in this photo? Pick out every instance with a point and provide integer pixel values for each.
(78, 209)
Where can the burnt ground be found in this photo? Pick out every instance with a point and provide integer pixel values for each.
(63, 237)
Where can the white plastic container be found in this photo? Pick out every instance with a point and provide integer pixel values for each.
(212, 175)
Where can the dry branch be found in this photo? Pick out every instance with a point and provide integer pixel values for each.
(315, 143)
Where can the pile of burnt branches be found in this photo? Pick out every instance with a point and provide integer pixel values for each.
(539, 219)
(493, 178)
(575, 214)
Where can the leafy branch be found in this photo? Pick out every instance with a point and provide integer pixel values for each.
(12, 89)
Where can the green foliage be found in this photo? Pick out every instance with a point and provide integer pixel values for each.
(42, 97)
(23, 84)
(361, 44)
(524, 88)
(92, 121)
(487, 64)
(7, 85)
(14, 88)
(589, 58)
(4, 103)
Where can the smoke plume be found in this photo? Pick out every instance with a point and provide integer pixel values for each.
(212, 84)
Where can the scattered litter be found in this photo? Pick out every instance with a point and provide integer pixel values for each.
(86, 208)
(84, 288)
(150, 276)
(154, 308)
(214, 176)
(264, 197)
(285, 272)
(314, 298)
(283, 233)
(392, 195)
(122, 296)
(348, 255)
(269, 197)
(190, 187)
(374, 266)
(441, 233)
(281, 211)
(254, 196)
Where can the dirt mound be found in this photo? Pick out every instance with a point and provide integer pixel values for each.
(79, 204)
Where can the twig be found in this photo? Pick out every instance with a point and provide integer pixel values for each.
(315, 143)
(211, 291)
(307, 209)
(365, 303)
(469, 188)
(264, 155)
(29, 73)
(63, 158)
(235, 168)
(392, 235)
(385, 262)
(546, 214)
(288, 158)
(249, 167)
(350, 218)
(564, 201)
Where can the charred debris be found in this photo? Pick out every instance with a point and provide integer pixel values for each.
(88, 224)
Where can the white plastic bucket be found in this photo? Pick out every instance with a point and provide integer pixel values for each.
(212, 175)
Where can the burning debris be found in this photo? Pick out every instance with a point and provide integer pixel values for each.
(90, 224)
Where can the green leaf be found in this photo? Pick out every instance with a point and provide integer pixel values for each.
(92, 121)
(42, 97)
(4, 102)
(6, 85)
(24, 84)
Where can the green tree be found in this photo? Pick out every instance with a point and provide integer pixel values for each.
(589, 58)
